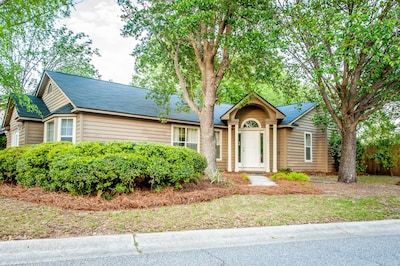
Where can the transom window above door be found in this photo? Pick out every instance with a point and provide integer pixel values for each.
(250, 123)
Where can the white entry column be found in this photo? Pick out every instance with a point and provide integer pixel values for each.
(236, 124)
(229, 147)
(267, 150)
(275, 149)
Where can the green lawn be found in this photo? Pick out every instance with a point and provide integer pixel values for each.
(21, 220)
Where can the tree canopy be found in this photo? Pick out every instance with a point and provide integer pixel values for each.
(350, 50)
(198, 45)
(31, 42)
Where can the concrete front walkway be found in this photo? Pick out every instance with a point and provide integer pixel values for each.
(260, 180)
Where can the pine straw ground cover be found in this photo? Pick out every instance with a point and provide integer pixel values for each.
(33, 213)
(144, 198)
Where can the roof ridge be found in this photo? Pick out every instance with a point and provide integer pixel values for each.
(294, 104)
(94, 79)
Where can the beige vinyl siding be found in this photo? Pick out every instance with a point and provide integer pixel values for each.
(78, 128)
(8, 144)
(55, 99)
(223, 164)
(35, 131)
(295, 146)
(252, 112)
(14, 128)
(108, 128)
(282, 148)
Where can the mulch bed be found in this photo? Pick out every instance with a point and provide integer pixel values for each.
(144, 198)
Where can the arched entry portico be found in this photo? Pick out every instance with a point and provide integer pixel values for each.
(252, 130)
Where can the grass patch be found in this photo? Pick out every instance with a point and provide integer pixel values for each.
(373, 179)
(25, 220)
(370, 179)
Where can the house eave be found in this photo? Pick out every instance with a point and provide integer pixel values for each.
(152, 118)
(22, 118)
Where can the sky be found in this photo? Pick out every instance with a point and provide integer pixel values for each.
(100, 20)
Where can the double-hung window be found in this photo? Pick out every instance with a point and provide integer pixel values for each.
(49, 131)
(60, 129)
(186, 137)
(218, 147)
(307, 147)
(67, 129)
(15, 139)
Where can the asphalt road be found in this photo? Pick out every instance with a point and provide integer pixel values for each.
(359, 243)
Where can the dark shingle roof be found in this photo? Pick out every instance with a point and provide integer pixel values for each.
(24, 110)
(294, 111)
(66, 109)
(113, 97)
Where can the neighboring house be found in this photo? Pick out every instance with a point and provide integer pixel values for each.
(252, 135)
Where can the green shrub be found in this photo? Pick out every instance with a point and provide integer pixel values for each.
(91, 148)
(286, 170)
(3, 142)
(8, 163)
(279, 175)
(71, 174)
(103, 168)
(292, 176)
(33, 167)
(295, 176)
(105, 176)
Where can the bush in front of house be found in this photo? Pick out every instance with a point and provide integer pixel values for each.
(101, 168)
(34, 165)
(105, 175)
(8, 163)
(291, 176)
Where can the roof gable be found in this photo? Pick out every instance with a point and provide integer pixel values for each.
(255, 99)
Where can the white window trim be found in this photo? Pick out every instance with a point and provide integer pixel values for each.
(305, 147)
(46, 128)
(186, 127)
(73, 128)
(250, 128)
(15, 139)
(220, 144)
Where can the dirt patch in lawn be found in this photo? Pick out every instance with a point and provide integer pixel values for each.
(144, 198)
(357, 190)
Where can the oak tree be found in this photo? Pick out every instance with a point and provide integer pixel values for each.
(195, 44)
(350, 50)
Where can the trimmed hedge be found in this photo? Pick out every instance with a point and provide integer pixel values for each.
(8, 163)
(100, 168)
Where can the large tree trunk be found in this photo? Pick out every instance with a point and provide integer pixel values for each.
(347, 168)
(208, 138)
(206, 117)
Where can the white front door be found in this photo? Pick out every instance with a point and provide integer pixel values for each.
(250, 149)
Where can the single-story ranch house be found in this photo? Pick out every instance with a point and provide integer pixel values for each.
(252, 135)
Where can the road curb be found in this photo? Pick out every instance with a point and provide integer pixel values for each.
(202, 239)
(24, 251)
(48, 250)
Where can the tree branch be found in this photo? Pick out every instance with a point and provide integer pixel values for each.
(183, 84)
(196, 50)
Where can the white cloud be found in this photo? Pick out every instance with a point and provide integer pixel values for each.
(101, 21)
